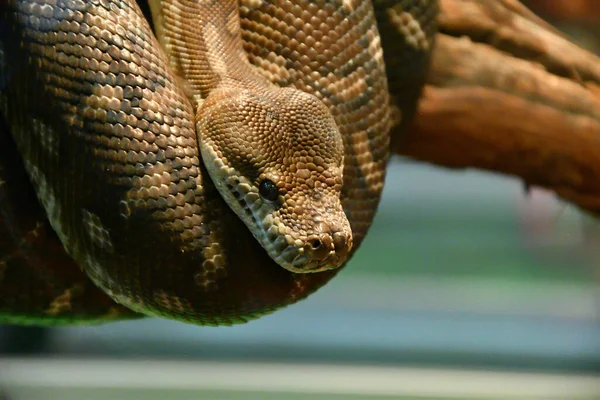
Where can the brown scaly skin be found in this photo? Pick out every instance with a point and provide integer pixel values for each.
(111, 149)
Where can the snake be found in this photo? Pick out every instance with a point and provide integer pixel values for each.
(207, 161)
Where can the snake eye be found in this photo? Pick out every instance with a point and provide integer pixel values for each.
(268, 190)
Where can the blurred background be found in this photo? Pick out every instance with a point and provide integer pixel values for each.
(467, 287)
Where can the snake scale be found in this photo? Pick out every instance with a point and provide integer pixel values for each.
(208, 161)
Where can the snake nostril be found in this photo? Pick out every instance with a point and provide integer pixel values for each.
(323, 246)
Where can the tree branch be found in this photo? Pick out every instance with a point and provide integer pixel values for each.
(581, 11)
(508, 93)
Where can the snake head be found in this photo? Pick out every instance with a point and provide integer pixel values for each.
(277, 159)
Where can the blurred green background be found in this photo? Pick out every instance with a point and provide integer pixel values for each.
(462, 271)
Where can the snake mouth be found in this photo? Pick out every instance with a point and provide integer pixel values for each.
(297, 261)
(305, 259)
(332, 261)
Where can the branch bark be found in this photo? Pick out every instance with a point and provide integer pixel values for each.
(581, 11)
(508, 93)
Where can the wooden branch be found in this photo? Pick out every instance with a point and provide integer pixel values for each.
(508, 93)
(586, 11)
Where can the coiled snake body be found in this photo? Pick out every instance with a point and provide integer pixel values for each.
(200, 175)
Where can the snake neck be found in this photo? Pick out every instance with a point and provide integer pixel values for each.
(203, 42)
